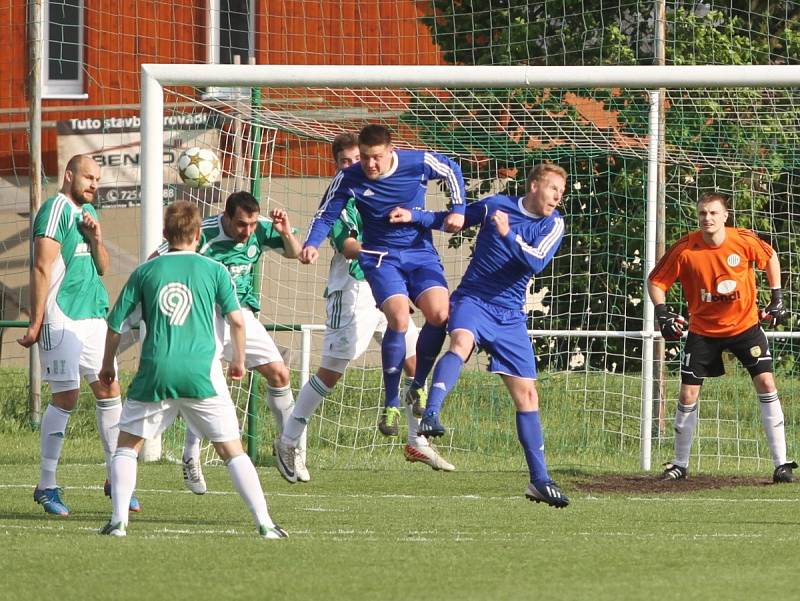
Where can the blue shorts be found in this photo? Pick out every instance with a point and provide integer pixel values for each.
(408, 272)
(501, 332)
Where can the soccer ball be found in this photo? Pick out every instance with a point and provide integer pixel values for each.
(199, 167)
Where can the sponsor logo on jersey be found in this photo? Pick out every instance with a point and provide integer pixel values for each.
(175, 301)
(709, 297)
(369, 192)
(734, 260)
(237, 270)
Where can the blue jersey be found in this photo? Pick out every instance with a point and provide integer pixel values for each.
(404, 185)
(501, 266)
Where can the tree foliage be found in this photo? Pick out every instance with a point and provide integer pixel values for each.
(740, 141)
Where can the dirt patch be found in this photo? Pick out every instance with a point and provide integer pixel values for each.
(653, 485)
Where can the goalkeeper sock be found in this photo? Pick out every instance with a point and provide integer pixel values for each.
(191, 446)
(245, 480)
(123, 482)
(685, 422)
(107, 412)
(280, 402)
(51, 441)
(445, 376)
(393, 354)
(529, 432)
(308, 400)
(772, 420)
(429, 344)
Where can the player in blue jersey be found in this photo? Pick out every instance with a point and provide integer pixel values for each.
(398, 259)
(518, 238)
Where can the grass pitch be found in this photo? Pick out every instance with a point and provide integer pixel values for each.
(400, 533)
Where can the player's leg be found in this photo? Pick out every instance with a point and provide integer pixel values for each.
(702, 357)
(59, 353)
(193, 477)
(393, 355)
(138, 421)
(215, 419)
(108, 401)
(445, 375)
(752, 349)
(541, 487)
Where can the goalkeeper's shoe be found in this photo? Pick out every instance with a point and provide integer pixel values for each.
(427, 454)
(110, 529)
(300, 468)
(50, 499)
(783, 473)
(430, 426)
(548, 492)
(273, 532)
(134, 502)
(674, 472)
(285, 460)
(418, 399)
(388, 424)
(193, 476)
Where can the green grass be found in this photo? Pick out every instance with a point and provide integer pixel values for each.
(399, 533)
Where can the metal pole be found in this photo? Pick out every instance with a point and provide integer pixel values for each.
(35, 117)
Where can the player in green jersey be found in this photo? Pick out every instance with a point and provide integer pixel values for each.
(67, 319)
(180, 372)
(237, 238)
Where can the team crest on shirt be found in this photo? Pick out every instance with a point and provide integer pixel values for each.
(755, 351)
(734, 260)
(251, 252)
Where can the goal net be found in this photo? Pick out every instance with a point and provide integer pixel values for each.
(608, 386)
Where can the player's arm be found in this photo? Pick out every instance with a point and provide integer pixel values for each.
(435, 220)
(235, 320)
(330, 208)
(280, 223)
(537, 252)
(671, 324)
(441, 167)
(128, 303)
(45, 252)
(775, 311)
(91, 228)
(107, 373)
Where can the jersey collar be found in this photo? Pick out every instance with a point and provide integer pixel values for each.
(393, 168)
(525, 211)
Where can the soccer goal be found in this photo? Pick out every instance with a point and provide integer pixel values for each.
(640, 145)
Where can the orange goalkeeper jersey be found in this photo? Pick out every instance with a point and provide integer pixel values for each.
(718, 281)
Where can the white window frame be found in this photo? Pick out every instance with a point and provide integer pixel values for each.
(62, 88)
(213, 39)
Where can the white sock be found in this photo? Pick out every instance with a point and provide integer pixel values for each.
(108, 412)
(191, 446)
(413, 424)
(245, 480)
(308, 400)
(123, 482)
(280, 402)
(772, 420)
(685, 422)
(51, 441)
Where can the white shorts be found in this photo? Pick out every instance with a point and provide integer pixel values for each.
(259, 348)
(214, 418)
(353, 320)
(71, 349)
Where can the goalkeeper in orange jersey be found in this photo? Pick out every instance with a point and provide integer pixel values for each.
(716, 268)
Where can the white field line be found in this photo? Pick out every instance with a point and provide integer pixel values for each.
(661, 498)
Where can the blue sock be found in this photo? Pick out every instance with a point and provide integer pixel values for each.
(529, 431)
(430, 341)
(445, 376)
(393, 353)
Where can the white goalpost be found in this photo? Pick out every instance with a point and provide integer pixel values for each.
(604, 352)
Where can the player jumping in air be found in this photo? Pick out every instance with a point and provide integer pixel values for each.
(715, 267)
(399, 260)
(352, 321)
(179, 367)
(518, 238)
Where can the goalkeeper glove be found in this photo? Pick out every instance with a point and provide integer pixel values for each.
(671, 324)
(775, 311)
